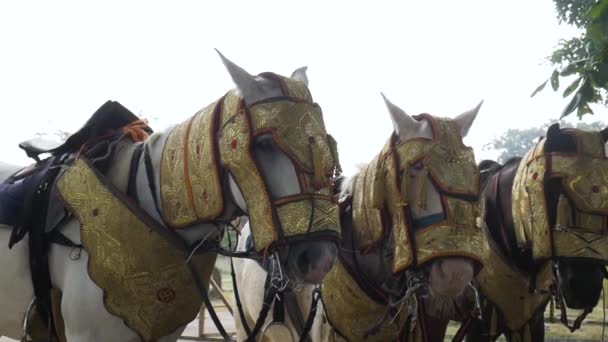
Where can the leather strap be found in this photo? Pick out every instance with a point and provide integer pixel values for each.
(577, 322)
(132, 185)
(463, 330)
(237, 297)
(316, 295)
(293, 309)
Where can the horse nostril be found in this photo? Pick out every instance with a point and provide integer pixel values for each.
(303, 262)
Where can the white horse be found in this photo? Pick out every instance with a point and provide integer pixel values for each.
(447, 277)
(82, 306)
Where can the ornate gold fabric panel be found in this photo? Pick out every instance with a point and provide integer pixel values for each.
(351, 312)
(190, 184)
(403, 253)
(462, 213)
(144, 278)
(296, 89)
(230, 107)
(412, 150)
(590, 144)
(296, 127)
(177, 208)
(451, 163)
(402, 249)
(456, 237)
(203, 169)
(449, 240)
(581, 243)
(585, 180)
(592, 223)
(235, 147)
(295, 216)
(506, 289)
(367, 221)
(529, 205)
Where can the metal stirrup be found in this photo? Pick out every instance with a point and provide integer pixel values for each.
(26, 320)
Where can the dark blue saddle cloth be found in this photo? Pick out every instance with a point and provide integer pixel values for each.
(12, 200)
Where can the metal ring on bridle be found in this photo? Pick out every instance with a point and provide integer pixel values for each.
(477, 300)
(278, 279)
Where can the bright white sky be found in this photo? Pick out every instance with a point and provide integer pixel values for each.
(59, 61)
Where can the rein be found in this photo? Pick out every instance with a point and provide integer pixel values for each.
(277, 293)
(564, 313)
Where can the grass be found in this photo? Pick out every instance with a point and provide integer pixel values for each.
(591, 329)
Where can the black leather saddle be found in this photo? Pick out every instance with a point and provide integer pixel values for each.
(109, 117)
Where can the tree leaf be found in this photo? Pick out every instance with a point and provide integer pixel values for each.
(600, 74)
(595, 32)
(573, 105)
(539, 88)
(555, 80)
(572, 67)
(572, 87)
(596, 11)
(583, 109)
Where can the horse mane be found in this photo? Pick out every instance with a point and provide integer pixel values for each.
(488, 168)
(347, 187)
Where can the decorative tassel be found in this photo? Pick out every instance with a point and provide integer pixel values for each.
(136, 130)
(564, 213)
(404, 185)
(422, 190)
(527, 334)
(320, 179)
(493, 323)
(333, 148)
(378, 187)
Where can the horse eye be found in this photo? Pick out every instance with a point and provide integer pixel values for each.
(264, 142)
(418, 166)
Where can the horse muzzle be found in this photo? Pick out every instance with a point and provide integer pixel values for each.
(310, 261)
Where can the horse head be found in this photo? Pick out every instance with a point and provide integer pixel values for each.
(417, 201)
(261, 151)
(566, 185)
(438, 180)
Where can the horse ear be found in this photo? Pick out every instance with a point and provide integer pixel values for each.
(405, 126)
(604, 134)
(300, 75)
(553, 132)
(465, 120)
(244, 81)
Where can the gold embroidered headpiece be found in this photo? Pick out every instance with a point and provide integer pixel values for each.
(381, 198)
(221, 137)
(560, 198)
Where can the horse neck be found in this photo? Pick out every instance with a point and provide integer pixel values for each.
(372, 269)
(497, 196)
(155, 145)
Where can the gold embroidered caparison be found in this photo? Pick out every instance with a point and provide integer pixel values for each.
(221, 137)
